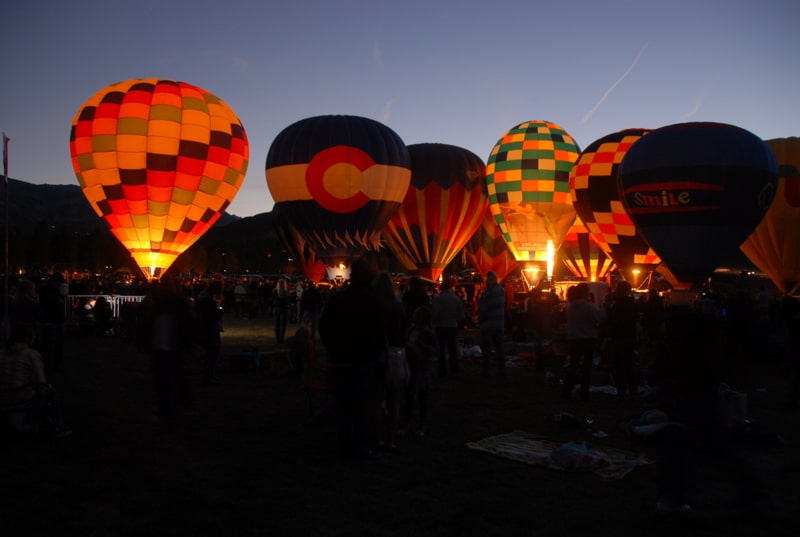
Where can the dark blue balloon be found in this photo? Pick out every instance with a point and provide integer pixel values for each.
(695, 192)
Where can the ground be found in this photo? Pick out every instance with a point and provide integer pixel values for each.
(250, 458)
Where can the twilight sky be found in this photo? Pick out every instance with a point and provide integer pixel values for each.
(449, 71)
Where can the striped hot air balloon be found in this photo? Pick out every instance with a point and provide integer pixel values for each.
(442, 209)
(159, 161)
(583, 256)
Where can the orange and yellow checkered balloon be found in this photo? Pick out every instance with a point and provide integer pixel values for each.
(527, 179)
(159, 161)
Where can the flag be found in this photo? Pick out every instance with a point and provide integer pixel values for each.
(5, 157)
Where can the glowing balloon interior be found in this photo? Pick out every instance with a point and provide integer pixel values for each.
(443, 208)
(583, 256)
(159, 161)
(488, 251)
(527, 179)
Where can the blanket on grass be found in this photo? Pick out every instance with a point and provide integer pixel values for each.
(605, 463)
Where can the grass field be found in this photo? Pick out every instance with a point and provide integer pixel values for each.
(249, 459)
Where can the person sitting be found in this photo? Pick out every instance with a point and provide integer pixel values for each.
(103, 316)
(23, 386)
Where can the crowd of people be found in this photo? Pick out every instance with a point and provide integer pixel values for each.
(358, 323)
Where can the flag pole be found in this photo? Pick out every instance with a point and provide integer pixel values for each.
(5, 326)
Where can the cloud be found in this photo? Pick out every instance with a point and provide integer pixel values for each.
(241, 63)
(386, 113)
(698, 103)
(614, 85)
(377, 54)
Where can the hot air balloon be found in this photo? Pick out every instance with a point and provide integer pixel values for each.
(527, 179)
(159, 161)
(695, 191)
(487, 250)
(583, 256)
(301, 251)
(442, 209)
(338, 180)
(774, 246)
(593, 186)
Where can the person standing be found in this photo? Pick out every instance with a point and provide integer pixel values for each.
(421, 349)
(169, 320)
(491, 320)
(311, 308)
(447, 310)
(414, 297)
(352, 330)
(52, 297)
(208, 309)
(583, 318)
(280, 309)
(623, 320)
(240, 299)
(388, 390)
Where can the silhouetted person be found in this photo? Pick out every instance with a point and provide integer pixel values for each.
(280, 309)
(352, 330)
(622, 326)
(52, 297)
(168, 325)
(447, 312)
(491, 321)
(583, 318)
(208, 323)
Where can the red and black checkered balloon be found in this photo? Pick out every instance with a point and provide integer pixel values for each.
(593, 186)
(159, 161)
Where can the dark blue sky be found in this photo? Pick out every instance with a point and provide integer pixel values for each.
(434, 71)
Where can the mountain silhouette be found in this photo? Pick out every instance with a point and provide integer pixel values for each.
(51, 224)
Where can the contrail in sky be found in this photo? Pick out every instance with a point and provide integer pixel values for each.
(614, 86)
(386, 114)
(698, 103)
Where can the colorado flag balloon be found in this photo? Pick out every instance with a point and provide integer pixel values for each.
(159, 161)
(338, 180)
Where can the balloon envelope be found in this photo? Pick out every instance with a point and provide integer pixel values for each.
(695, 191)
(443, 208)
(527, 179)
(774, 246)
(487, 250)
(159, 161)
(300, 250)
(338, 180)
(583, 256)
(596, 198)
